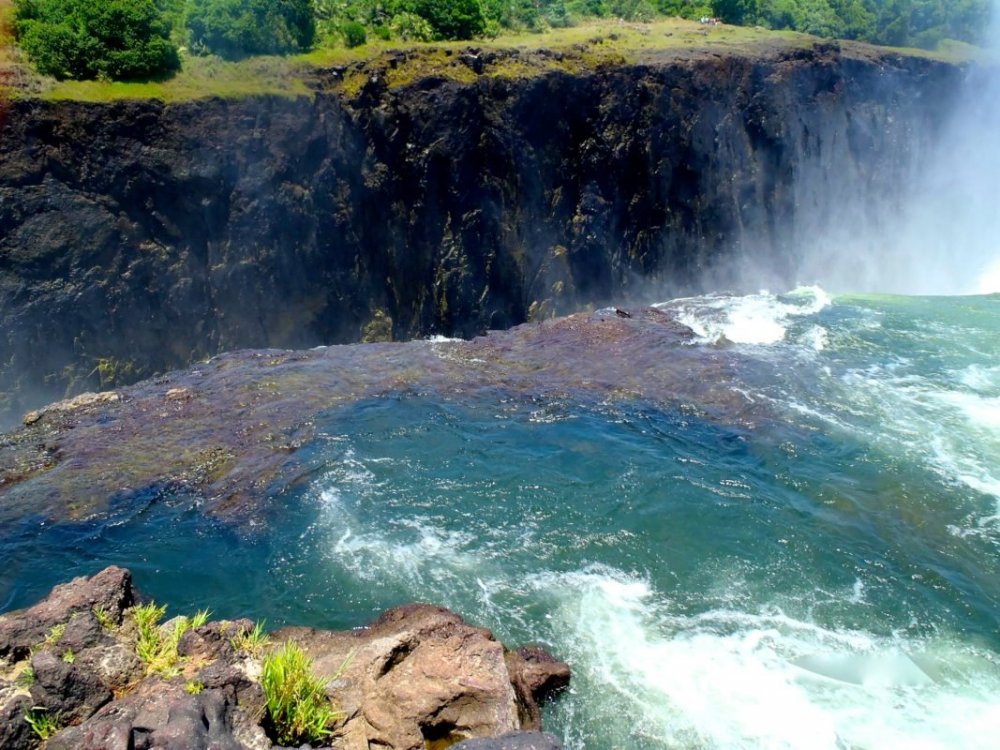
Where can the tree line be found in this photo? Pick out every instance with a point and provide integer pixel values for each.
(142, 39)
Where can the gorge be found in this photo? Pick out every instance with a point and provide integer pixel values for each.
(138, 237)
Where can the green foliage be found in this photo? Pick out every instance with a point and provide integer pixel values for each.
(919, 23)
(105, 619)
(450, 19)
(354, 34)
(42, 723)
(68, 656)
(194, 687)
(685, 8)
(26, 678)
(251, 642)
(158, 648)
(54, 635)
(296, 700)
(83, 39)
(409, 27)
(234, 29)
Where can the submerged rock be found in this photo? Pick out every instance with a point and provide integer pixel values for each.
(417, 677)
(240, 432)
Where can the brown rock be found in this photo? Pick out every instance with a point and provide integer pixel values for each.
(536, 676)
(418, 677)
(110, 590)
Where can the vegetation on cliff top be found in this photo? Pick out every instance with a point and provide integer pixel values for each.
(357, 35)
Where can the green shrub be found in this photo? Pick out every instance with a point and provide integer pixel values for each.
(410, 27)
(119, 39)
(295, 698)
(450, 19)
(354, 34)
(237, 28)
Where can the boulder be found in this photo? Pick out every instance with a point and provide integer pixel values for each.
(164, 715)
(109, 592)
(419, 677)
(66, 690)
(15, 734)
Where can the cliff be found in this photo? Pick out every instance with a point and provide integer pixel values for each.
(138, 237)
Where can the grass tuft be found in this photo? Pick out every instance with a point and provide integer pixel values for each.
(42, 723)
(106, 620)
(158, 648)
(295, 698)
(251, 642)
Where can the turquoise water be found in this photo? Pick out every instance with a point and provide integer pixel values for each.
(828, 577)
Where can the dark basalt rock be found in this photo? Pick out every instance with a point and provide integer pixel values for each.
(15, 733)
(71, 604)
(66, 690)
(138, 237)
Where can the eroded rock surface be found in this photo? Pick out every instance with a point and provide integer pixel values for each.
(139, 237)
(420, 675)
(417, 677)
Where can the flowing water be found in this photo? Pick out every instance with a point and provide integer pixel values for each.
(827, 578)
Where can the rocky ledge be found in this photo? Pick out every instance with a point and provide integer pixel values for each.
(76, 673)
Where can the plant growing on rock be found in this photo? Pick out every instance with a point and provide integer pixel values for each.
(156, 647)
(251, 642)
(42, 723)
(296, 699)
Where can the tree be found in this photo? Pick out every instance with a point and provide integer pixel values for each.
(119, 39)
(736, 11)
(450, 19)
(237, 28)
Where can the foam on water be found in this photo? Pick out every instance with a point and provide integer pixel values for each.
(651, 671)
(727, 678)
(648, 675)
(755, 319)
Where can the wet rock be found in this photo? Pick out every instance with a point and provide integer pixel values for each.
(513, 741)
(109, 591)
(536, 676)
(419, 676)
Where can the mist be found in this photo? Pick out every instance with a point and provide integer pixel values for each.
(941, 234)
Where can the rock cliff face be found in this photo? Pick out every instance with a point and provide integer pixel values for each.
(137, 237)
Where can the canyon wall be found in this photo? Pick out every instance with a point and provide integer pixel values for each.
(137, 237)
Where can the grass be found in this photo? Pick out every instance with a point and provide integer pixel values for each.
(105, 619)
(587, 46)
(295, 698)
(251, 642)
(26, 678)
(158, 648)
(52, 638)
(42, 723)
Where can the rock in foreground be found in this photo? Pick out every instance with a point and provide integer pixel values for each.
(75, 669)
